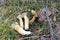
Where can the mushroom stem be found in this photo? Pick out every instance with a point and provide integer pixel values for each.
(33, 19)
(26, 22)
(21, 21)
(20, 29)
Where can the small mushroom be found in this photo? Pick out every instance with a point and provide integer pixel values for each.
(26, 22)
(34, 13)
(20, 19)
(19, 29)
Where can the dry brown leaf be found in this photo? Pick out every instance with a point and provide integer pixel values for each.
(51, 12)
(57, 30)
(54, 18)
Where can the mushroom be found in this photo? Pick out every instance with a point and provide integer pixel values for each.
(19, 29)
(20, 19)
(34, 13)
(26, 21)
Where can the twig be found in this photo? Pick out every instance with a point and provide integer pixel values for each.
(50, 26)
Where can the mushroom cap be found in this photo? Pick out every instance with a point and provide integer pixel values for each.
(34, 13)
(25, 13)
(19, 16)
(14, 24)
(22, 15)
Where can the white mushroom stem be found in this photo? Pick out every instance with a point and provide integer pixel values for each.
(21, 21)
(26, 22)
(20, 29)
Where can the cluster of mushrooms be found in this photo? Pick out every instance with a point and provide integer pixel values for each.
(24, 25)
(20, 28)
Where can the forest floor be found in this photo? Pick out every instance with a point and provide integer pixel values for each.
(10, 11)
